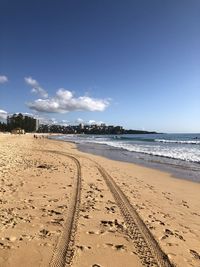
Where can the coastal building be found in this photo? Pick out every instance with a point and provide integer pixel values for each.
(20, 121)
(81, 126)
(37, 124)
(18, 131)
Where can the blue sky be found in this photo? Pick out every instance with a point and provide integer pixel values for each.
(134, 63)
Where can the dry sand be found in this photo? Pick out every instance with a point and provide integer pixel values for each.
(37, 188)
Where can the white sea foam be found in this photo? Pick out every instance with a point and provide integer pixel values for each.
(190, 142)
(179, 150)
(180, 153)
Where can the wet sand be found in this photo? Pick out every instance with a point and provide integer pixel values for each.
(37, 188)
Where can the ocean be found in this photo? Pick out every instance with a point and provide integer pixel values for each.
(175, 153)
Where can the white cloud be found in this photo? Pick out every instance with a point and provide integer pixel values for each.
(36, 88)
(46, 120)
(92, 122)
(52, 121)
(64, 122)
(64, 101)
(79, 120)
(3, 79)
(3, 114)
(28, 114)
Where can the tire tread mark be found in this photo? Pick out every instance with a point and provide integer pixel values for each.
(147, 247)
(64, 249)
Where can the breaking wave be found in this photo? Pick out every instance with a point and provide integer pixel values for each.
(190, 142)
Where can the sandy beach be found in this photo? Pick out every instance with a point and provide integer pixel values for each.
(62, 207)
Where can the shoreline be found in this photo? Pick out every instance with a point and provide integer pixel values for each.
(122, 155)
(38, 179)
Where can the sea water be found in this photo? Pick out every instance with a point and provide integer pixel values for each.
(179, 153)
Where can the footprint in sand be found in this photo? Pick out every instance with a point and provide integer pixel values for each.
(168, 233)
(57, 221)
(113, 226)
(117, 247)
(95, 232)
(86, 216)
(179, 236)
(83, 248)
(120, 247)
(91, 232)
(194, 213)
(111, 209)
(4, 246)
(44, 233)
(185, 204)
(195, 254)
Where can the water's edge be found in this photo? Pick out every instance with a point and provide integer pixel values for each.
(180, 169)
(125, 156)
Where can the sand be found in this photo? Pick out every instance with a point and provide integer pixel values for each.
(38, 188)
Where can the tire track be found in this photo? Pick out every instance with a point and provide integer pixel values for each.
(64, 249)
(147, 247)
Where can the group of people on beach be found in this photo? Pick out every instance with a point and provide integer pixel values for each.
(39, 136)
